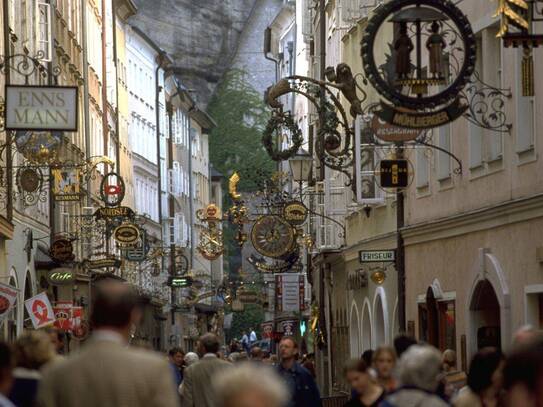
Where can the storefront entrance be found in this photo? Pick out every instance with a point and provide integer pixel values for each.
(485, 315)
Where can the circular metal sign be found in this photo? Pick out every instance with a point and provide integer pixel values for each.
(112, 189)
(62, 250)
(295, 213)
(126, 234)
(29, 179)
(432, 56)
(272, 236)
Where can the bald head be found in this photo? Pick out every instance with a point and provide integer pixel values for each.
(114, 304)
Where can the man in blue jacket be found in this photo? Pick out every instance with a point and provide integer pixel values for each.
(303, 389)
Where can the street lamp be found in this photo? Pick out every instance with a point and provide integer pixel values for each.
(301, 165)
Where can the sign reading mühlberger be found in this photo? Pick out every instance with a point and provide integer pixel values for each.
(43, 108)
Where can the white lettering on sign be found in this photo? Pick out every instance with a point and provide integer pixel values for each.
(41, 108)
(367, 256)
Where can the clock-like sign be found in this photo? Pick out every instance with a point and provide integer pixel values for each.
(272, 236)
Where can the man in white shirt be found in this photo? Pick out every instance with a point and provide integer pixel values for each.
(252, 337)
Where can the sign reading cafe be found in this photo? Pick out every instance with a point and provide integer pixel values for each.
(44, 108)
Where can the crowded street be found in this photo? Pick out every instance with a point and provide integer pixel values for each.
(271, 203)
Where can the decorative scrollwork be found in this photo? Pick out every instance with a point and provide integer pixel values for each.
(27, 66)
(486, 105)
(278, 121)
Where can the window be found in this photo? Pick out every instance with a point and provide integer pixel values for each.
(443, 159)
(422, 173)
(525, 123)
(43, 13)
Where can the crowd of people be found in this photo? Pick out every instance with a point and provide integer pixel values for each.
(108, 372)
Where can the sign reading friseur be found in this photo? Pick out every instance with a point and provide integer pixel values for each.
(41, 108)
(373, 256)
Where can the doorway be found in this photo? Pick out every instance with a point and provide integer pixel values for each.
(484, 313)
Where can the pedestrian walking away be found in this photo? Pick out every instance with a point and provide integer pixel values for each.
(196, 390)
(108, 373)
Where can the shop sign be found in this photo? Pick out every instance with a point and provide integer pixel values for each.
(390, 133)
(267, 330)
(103, 263)
(126, 235)
(61, 276)
(63, 316)
(118, 212)
(357, 280)
(29, 179)
(41, 108)
(40, 310)
(377, 256)
(66, 184)
(421, 120)
(394, 173)
(8, 296)
(295, 213)
(62, 251)
(248, 297)
(290, 292)
(138, 253)
(112, 189)
(288, 327)
(237, 306)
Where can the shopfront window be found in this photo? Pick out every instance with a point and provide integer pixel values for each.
(437, 322)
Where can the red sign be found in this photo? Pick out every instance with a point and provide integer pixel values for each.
(40, 310)
(63, 316)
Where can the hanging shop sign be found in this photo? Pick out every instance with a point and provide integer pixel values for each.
(112, 189)
(66, 184)
(61, 276)
(376, 256)
(248, 296)
(276, 266)
(290, 292)
(272, 236)
(103, 263)
(120, 212)
(357, 280)
(29, 179)
(288, 327)
(295, 213)
(431, 60)
(41, 108)
(40, 310)
(385, 131)
(63, 316)
(211, 213)
(180, 281)
(8, 296)
(267, 330)
(394, 173)
(139, 251)
(211, 245)
(237, 306)
(62, 250)
(126, 235)
(181, 263)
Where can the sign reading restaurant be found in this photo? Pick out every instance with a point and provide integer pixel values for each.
(377, 256)
(43, 108)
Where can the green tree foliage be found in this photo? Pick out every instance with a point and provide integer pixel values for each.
(235, 144)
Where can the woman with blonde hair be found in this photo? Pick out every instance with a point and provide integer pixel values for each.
(384, 362)
(32, 351)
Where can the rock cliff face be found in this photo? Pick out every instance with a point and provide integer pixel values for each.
(202, 36)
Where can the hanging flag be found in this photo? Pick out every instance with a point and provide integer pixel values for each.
(8, 296)
(40, 310)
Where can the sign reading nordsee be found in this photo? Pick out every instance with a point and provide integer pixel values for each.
(44, 108)
(376, 256)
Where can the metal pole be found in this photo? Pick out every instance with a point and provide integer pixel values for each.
(86, 107)
(400, 258)
(9, 161)
(171, 208)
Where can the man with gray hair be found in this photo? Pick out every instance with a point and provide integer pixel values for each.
(419, 373)
(196, 390)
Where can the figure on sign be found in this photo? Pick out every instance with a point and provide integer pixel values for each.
(403, 46)
(436, 45)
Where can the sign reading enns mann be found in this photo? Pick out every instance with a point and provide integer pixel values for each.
(44, 108)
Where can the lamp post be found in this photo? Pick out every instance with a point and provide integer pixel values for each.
(300, 167)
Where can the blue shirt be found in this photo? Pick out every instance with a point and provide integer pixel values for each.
(177, 375)
(303, 389)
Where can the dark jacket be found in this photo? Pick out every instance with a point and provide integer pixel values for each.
(303, 389)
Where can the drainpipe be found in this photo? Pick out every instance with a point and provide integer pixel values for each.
(105, 128)
(171, 208)
(117, 125)
(86, 108)
(9, 161)
(191, 193)
(158, 90)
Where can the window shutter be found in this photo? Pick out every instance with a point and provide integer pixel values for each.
(43, 13)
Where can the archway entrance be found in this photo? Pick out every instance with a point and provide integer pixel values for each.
(484, 314)
(354, 333)
(379, 317)
(437, 320)
(366, 329)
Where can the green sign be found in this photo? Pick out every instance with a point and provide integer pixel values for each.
(180, 282)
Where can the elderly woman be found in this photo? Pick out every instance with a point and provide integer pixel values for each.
(419, 373)
(32, 351)
(248, 385)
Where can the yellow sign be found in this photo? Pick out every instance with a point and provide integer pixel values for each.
(66, 184)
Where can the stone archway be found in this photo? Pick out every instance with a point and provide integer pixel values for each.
(354, 332)
(380, 318)
(366, 326)
(488, 307)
